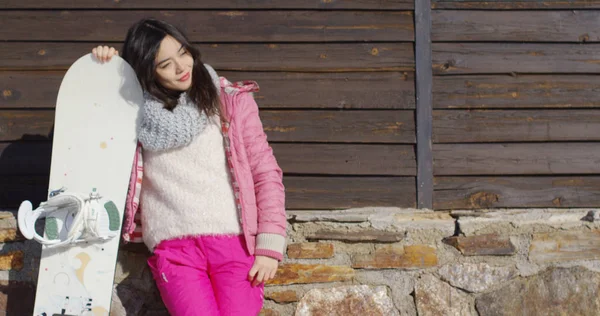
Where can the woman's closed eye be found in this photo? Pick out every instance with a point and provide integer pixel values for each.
(165, 65)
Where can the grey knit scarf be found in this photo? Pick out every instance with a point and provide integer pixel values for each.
(162, 129)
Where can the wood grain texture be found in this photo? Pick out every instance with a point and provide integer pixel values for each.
(335, 159)
(517, 159)
(208, 26)
(287, 126)
(33, 158)
(348, 192)
(301, 192)
(526, 91)
(464, 126)
(347, 90)
(515, 4)
(509, 192)
(18, 124)
(516, 26)
(222, 4)
(29, 89)
(488, 58)
(424, 82)
(340, 126)
(386, 90)
(326, 57)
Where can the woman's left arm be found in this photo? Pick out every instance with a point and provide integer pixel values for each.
(268, 182)
(270, 195)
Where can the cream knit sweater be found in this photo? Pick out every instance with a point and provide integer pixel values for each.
(187, 191)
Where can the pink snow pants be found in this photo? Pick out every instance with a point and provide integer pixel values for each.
(206, 275)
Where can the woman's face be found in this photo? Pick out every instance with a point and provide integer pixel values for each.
(173, 64)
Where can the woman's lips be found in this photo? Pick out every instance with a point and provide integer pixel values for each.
(185, 77)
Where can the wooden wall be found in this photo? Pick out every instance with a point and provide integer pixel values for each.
(516, 98)
(515, 93)
(337, 80)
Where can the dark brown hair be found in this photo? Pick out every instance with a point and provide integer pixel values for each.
(140, 49)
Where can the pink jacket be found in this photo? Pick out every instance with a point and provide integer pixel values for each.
(257, 178)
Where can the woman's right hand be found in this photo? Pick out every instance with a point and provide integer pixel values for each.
(104, 53)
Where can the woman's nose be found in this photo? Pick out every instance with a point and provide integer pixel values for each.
(178, 66)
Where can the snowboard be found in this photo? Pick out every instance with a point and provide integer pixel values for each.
(93, 148)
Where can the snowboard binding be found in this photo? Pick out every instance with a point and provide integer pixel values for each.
(70, 218)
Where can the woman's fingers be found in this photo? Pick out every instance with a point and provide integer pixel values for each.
(96, 51)
(259, 278)
(270, 275)
(263, 270)
(104, 53)
(252, 273)
(263, 275)
(111, 52)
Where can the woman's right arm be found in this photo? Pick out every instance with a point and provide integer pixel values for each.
(104, 53)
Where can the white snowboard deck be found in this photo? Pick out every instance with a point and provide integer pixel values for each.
(93, 147)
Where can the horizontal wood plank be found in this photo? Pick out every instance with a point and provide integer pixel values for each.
(367, 90)
(348, 192)
(26, 157)
(301, 192)
(33, 158)
(515, 26)
(283, 126)
(209, 26)
(526, 91)
(487, 58)
(221, 4)
(29, 89)
(351, 159)
(340, 126)
(235, 57)
(387, 90)
(24, 124)
(515, 4)
(517, 159)
(464, 126)
(509, 192)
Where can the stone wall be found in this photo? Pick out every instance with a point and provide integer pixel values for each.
(387, 261)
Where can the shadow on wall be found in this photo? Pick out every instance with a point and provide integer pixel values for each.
(24, 170)
(24, 174)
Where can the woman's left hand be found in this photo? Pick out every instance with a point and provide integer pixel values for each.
(263, 270)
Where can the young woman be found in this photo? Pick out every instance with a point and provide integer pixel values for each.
(212, 194)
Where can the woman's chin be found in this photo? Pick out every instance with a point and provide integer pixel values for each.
(181, 87)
